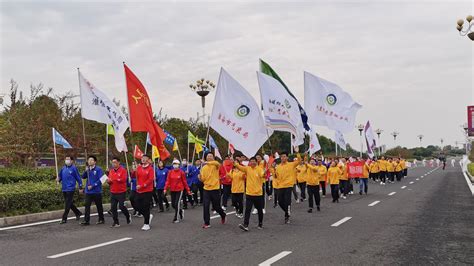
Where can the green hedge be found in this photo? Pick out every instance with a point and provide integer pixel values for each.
(13, 175)
(470, 168)
(32, 197)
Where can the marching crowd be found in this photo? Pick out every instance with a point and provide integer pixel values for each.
(246, 182)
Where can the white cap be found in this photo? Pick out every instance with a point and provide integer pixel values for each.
(176, 162)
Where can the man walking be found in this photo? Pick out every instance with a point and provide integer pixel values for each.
(93, 191)
(118, 187)
(69, 176)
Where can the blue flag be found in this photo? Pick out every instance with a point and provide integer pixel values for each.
(169, 138)
(148, 141)
(212, 142)
(60, 140)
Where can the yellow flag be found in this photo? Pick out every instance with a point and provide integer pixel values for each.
(154, 153)
(175, 145)
(198, 147)
(110, 130)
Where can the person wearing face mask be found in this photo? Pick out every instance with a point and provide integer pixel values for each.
(93, 191)
(225, 181)
(68, 177)
(117, 179)
(285, 173)
(161, 174)
(144, 176)
(176, 183)
(254, 176)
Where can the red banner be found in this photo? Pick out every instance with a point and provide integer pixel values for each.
(355, 169)
(470, 120)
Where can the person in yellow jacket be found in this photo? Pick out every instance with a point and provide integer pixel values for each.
(323, 176)
(254, 177)
(312, 181)
(285, 174)
(261, 165)
(374, 170)
(334, 173)
(238, 187)
(398, 170)
(301, 179)
(209, 176)
(390, 170)
(383, 170)
(404, 166)
(364, 178)
(343, 178)
(275, 184)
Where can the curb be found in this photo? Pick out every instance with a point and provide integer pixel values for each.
(468, 177)
(44, 216)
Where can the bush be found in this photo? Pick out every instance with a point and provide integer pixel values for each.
(13, 175)
(31, 197)
(470, 168)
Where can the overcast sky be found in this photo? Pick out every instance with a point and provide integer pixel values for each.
(402, 60)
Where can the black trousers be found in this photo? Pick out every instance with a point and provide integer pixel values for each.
(275, 197)
(97, 199)
(133, 200)
(302, 186)
(194, 189)
(269, 187)
(323, 187)
(162, 199)
(313, 192)
(391, 176)
(69, 205)
(201, 192)
(344, 186)
(284, 199)
(399, 175)
(154, 197)
(119, 199)
(143, 204)
(212, 196)
(374, 176)
(175, 202)
(251, 201)
(405, 171)
(226, 191)
(383, 176)
(335, 192)
(238, 202)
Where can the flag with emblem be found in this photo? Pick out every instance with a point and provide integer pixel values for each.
(137, 153)
(155, 154)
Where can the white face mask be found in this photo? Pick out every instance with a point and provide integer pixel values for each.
(67, 162)
(185, 163)
(175, 166)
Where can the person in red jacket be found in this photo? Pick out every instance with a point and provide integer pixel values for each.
(176, 183)
(117, 180)
(145, 176)
(226, 182)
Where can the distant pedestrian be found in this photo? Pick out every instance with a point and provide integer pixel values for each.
(117, 180)
(334, 172)
(145, 177)
(68, 176)
(161, 173)
(93, 191)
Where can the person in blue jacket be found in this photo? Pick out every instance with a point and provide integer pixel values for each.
(68, 177)
(193, 181)
(187, 169)
(199, 184)
(93, 190)
(161, 173)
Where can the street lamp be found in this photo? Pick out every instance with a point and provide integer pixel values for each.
(395, 134)
(420, 137)
(463, 31)
(442, 140)
(202, 87)
(361, 127)
(379, 131)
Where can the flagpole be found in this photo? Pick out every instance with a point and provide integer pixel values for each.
(83, 126)
(128, 167)
(107, 146)
(291, 143)
(207, 134)
(336, 148)
(179, 153)
(55, 155)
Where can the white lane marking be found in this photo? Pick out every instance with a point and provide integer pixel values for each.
(46, 222)
(417, 179)
(412, 182)
(343, 220)
(374, 203)
(275, 258)
(215, 216)
(391, 194)
(88, 248)
(403, 187)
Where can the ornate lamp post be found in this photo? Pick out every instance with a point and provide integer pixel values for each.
(441, 140)
(379, 131)
(466, 30)
(361, 127)
(420, 137)
(395, 134)
(202, 87)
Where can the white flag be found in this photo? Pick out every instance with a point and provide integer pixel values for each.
(339, 139)
(280, 109)
(370, 140)
(326, 104)
(314, 145)
(97, 107)
(237, 117)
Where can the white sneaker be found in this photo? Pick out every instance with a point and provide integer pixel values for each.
(270, 197)
(224, 208)
(254, 211)
(381, 183)
(263, 211)
(146, 227)
(344, 197)
(214, 212)
(297, 201)
(151, 218)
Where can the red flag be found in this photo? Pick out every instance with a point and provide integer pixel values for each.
(141, 113)
(137, 153)
(231, 149)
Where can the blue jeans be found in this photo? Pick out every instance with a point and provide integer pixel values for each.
(363, 183)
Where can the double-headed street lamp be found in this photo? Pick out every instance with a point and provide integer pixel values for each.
(202, 87)
(361, 127)
(379, 131)
(395, 134)
(441, 140)
(420, 137)
(466, 28)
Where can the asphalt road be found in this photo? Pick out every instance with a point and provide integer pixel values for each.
(429, 221)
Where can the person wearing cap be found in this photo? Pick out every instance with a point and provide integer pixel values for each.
(176, 183)
(144, 175)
